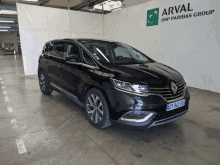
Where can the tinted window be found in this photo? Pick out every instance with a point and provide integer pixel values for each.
(86, 58)
(71, 49)
(45, 48)
(114, 52)
(56, 49)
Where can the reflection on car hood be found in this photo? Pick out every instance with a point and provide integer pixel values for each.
(148, 72)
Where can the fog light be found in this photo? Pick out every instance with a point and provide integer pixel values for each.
(137, 116)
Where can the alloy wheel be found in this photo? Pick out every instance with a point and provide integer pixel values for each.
(95, 108)
(42, 82)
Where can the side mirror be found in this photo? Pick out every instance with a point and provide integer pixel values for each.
(72, 59)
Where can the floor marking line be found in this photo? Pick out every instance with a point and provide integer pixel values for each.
(14, 123)
(5, 92)
(21, 147)
(7, 99)
(3, 87)
(2, 82)
(10, 110)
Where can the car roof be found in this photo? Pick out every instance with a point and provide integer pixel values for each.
(85, 39)
(80, 39)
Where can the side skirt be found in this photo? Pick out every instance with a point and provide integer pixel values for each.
(67, 94)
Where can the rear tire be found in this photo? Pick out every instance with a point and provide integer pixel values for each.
(44, 86)
(96, 109)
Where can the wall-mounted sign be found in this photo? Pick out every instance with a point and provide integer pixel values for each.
(153, 17)
(184, 11)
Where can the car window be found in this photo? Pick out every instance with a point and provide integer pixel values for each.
(56, 49)
(71, 49)
(86, 58)
(44, 48)
(114, 52)
(121, 52)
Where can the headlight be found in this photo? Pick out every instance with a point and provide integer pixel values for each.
(135, 88)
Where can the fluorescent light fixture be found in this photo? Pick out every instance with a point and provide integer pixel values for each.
(7, 21)
(7, 27)
(3, 30)
(109, 5)
(8, 12)
(31, 0)
(105, 7)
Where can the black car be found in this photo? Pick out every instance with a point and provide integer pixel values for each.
(114, 82)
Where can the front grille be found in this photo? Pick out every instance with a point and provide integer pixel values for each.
(166, 92)
(163, 115)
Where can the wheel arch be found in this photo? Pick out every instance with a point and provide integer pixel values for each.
(87, 88)
(41, 69)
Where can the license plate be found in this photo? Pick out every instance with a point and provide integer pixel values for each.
(175, 105)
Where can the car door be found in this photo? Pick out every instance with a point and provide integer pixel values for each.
(70, 73)
(54, 59)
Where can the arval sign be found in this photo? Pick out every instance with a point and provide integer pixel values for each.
(183, 11)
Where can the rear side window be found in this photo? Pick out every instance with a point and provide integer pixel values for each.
(45, 48)
(56, 49)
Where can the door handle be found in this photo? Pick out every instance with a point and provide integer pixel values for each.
(45, 61)
(60, 66)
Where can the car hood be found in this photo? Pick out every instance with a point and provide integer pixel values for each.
(150, 73)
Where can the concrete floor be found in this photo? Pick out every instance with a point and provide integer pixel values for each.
(55, 130)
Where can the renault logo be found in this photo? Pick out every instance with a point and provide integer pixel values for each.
(173, 87)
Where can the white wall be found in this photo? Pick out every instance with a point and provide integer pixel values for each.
(38, 25)
(191, 45)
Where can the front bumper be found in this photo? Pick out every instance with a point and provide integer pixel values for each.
(160, 115)
(159, 118)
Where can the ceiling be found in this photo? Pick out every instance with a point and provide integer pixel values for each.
(80, 5)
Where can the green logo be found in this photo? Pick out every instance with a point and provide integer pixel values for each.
(153, 17)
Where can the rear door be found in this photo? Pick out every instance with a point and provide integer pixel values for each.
(70, 74)
(54, 61)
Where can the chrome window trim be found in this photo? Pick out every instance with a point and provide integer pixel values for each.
(83, 64)
(77, 63)
(60, 88)
(56, 57)
(90, 66)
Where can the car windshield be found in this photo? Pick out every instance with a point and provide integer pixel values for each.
(114, 52)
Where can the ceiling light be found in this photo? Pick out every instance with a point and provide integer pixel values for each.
(109, 5)
(32, 0)
(7, 21)
(105, 7)
(3, 30)
(7, 27)
(8, 12)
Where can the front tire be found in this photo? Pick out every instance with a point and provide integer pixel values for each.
(44, 86)
(96, 109)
